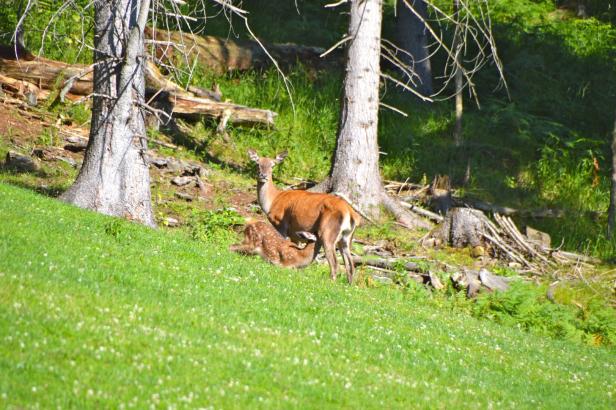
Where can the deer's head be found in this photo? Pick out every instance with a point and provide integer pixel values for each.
(265, 165)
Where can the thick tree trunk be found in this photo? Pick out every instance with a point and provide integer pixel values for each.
(412, 37)
(355, 170)
(611, 219)
(114, 178)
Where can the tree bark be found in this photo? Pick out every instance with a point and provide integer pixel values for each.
(611, 219)
(412, 37)
(355, 166)
(114, 178)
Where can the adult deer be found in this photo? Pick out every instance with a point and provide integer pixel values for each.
(331, 218)
(263, 239)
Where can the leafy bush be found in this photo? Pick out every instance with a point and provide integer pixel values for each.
(526, 306)
(208, 226)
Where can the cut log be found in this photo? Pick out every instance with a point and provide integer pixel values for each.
(221, 55)
(462, 227)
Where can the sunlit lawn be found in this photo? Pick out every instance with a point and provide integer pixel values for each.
(101, 313)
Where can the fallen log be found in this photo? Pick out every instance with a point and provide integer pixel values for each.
(50, 74)
(42, 76)
(385, 264)
(221, 55)
(189, 106)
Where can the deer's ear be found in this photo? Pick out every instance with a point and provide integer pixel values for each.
(281, 156)
(307, 236)
(252, 154)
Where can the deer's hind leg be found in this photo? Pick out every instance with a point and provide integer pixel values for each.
(329, 235)
(244, 249)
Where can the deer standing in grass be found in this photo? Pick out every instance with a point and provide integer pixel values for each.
(263, 239)
(332, 219)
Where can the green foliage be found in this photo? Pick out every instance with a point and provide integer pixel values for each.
(57, 34)
(526, 306)
(161, 320)
(48, 138)
(209, 226)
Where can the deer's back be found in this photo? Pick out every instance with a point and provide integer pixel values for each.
(303, 210)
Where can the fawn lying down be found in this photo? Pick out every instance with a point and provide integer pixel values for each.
(262, 239)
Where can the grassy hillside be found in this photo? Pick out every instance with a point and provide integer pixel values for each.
(98, 312)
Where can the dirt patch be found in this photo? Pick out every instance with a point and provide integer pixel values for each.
(18, 129)
(244, 202)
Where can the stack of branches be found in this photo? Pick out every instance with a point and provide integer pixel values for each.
(530, 253)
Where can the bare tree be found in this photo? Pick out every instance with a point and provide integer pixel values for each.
(114, 178)
(611, 219)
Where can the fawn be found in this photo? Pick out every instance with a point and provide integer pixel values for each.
(262, 239)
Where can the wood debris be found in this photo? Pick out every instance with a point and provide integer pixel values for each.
(41, 79)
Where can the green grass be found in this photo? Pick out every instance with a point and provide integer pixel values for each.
(99, 312)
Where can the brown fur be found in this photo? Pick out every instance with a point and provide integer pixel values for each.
(296, 210)
(262, 239)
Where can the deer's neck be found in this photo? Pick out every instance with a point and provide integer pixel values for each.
(266, 192)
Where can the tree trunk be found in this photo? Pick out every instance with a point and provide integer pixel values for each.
(412, 37)
(460, 154)
(355, 166)
(114, 178)
(355, 170)
(611, 219)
